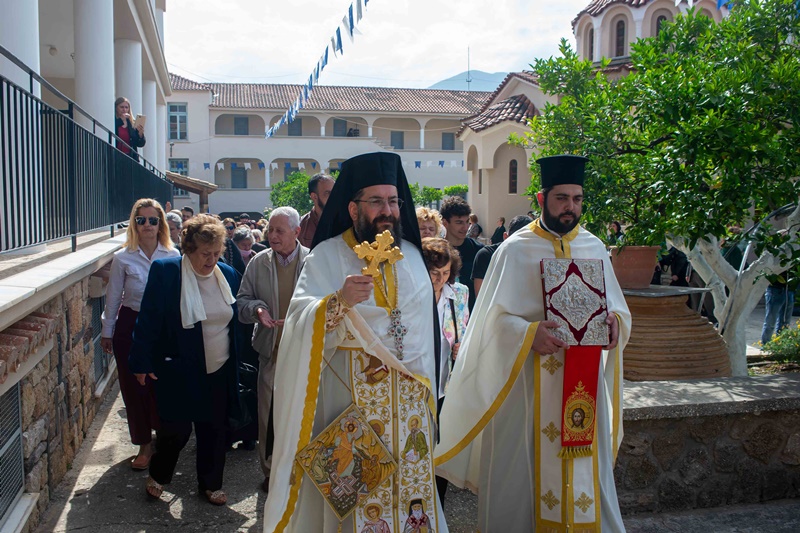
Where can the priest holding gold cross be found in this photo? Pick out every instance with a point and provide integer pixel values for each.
(356, 371)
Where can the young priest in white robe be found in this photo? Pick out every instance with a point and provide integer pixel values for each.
(502, 421)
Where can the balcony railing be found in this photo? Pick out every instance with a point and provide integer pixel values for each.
(59, 177)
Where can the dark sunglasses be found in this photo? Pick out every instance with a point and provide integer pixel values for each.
(152, 220)
(229, 228)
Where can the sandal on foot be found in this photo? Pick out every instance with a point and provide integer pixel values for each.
(153, 488)
(141, 462)
(217, 497)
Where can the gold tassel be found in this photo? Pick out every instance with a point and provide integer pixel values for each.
(574, 452)
(340, 528)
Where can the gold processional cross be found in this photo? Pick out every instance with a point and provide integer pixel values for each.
(376, 253)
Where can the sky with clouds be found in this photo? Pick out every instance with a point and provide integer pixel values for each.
(404, 43)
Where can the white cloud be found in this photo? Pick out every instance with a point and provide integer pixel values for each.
(406, 43)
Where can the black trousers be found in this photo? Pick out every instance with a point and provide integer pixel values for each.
(210, 435)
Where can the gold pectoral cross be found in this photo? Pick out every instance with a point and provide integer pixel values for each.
(377, 252)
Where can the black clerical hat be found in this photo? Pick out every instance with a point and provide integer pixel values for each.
(377, 168)
(562, 170)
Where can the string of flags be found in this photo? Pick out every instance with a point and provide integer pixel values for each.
(349, 22)
(301, 165)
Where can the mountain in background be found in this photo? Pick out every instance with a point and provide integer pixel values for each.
(481, 81)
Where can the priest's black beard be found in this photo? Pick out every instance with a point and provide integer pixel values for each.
(367, 230)
(554, 224)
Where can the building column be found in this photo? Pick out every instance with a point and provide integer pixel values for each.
(596, 24)
(370, 122)
(322, 130)
(422, 133)
(161, 137)
(150, 149)
(19, 33)
(94, 58)
(128, 74)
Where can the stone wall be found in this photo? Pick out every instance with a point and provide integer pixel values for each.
(57, 397)
(721, 453)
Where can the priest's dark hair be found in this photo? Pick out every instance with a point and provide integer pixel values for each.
(366, 170)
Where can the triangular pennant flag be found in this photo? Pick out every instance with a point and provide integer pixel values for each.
(346, 25)
(287, 165)
(314, 165)
(452, 163)
(441, 164)
(301, 166)
(274, 166)
(247, 166)
(234, 166)
(220, 166)
(339, 40)
(358, 11)
(428, 163)
(325, 58)
(462, 163)
(350, 23)
(260, 165)
(206, 166)
(333, 44)
(417, 164)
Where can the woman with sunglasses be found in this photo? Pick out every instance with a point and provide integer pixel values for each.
(147, 240)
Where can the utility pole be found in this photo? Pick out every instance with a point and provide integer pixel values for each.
(469, 78)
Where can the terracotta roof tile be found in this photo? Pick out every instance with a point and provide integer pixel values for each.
(22, 338)
(516, 108)
(525, 75)
(351, 99)
(179, 83)
(596, 7)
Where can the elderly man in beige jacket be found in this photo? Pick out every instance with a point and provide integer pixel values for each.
(263, 299)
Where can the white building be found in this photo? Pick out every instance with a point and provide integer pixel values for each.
(216, 134)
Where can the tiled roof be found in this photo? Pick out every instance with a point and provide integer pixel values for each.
(179, 83)
(596, 7)
(335, 98)
(516, 108)
(351, 99)
(525, 75)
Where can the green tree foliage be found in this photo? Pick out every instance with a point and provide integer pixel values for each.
(702, 133)
(456, 190)
(293, 192)
(701, 130)
(423, 195)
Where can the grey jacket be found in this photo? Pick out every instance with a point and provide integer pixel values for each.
(259, 288)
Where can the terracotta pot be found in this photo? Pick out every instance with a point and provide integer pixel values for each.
(634, 265)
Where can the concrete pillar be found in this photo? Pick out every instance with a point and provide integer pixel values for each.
(161, 137)
(322, 130)
(94, 58)
(128, 74)
(150, 150)
(19, 33)
(422, 133)
(596, 23)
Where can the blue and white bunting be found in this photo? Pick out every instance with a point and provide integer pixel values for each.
(349, 21)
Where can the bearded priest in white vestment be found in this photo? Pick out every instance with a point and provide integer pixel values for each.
(367, 339)
(501, 423)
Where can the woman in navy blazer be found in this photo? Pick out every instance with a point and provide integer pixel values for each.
(185, 341)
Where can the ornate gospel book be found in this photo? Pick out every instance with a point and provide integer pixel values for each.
(575, 298)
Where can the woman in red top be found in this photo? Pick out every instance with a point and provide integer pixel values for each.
(133, 137)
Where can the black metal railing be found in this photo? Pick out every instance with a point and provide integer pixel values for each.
(62, 173)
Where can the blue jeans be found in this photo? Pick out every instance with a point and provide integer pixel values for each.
(779, 305)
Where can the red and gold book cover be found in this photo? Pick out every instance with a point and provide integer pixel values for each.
(575, 298)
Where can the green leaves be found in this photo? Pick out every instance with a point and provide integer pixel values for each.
(702, 131)
(293, 192)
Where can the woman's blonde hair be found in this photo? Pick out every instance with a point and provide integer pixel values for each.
(200, 230)
(119, 101)
(132, 236)
(425, 215)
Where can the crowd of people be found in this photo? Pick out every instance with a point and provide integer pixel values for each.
(263, 332)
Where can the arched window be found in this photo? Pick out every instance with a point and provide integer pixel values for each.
(619, 41)
(660, 23)
(512, 177)
(590, 45)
